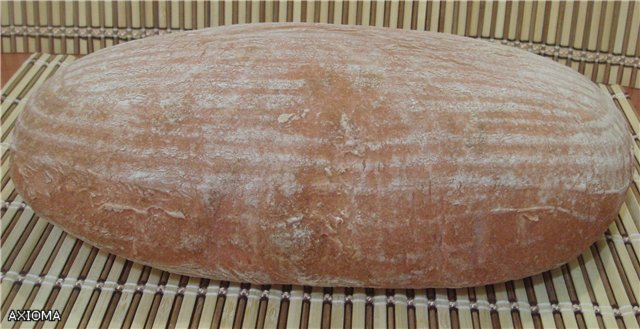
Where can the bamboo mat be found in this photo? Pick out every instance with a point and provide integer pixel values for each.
(600, 39)
(44, 268)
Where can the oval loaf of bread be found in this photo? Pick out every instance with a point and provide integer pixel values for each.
(325, 155)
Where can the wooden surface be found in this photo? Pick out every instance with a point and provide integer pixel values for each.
(634, 97)
(11, 63)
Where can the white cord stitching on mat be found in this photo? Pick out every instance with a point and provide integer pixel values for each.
(620, 96)
(633, 237)
(193, 290)
(14, 204)
(12, 100)
(128, 287)
(4, 144)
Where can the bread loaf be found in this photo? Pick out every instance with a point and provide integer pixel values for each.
(325, 155)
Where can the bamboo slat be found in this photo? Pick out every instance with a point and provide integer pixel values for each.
(126, 297)
(50, 278)
(44, 268)
(27, 297)
(8, 244)
(208, 309)
(599, 290)
(358, 313)
(108, 287)
(315, 309)
(58, 296)
(148, 301)
(463, 306)
(564, 302)
(166, 297)
(9, 215)
(503, 305)
(483, 306)
(272, 308)
(400, 310)
(295, 308)
(442, 308)
(7, 192)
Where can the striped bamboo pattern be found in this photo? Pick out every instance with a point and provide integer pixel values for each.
(598, 39)
(43, 267)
